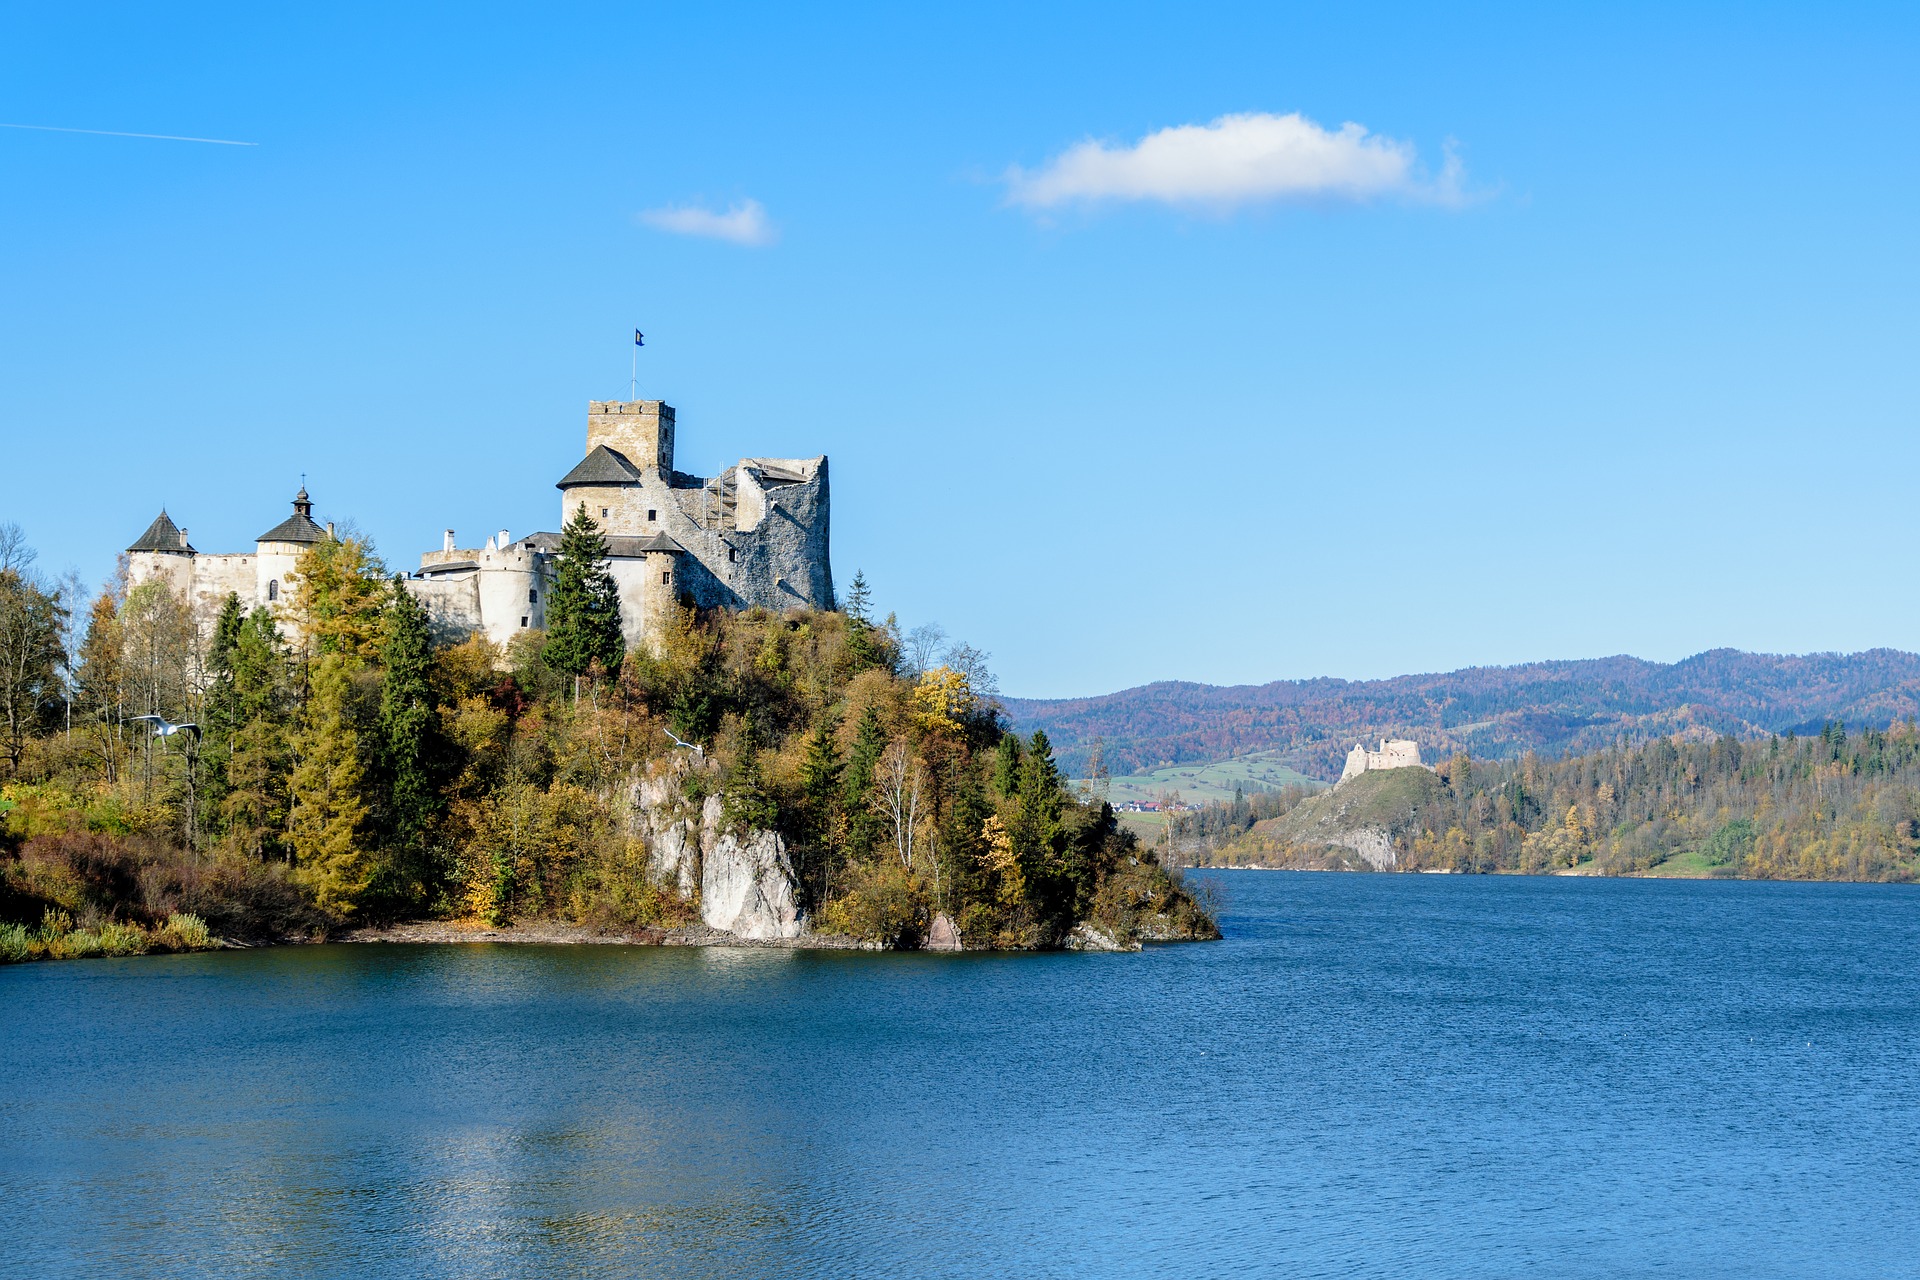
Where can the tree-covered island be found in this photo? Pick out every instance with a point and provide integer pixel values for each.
(753, 775)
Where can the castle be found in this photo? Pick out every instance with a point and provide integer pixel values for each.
(754, 535)
(1394, 753)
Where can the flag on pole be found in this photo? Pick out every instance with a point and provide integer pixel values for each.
(636, 339)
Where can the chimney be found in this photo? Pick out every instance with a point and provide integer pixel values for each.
(330, 537)
(183, 537)
(446, 541)
(503, 539)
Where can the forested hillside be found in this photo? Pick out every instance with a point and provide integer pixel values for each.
(1552, 708)
(1832, 806)
(333, 763)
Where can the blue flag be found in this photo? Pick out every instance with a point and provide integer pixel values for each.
(636, 339)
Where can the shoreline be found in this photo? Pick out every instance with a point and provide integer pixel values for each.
(560, 933)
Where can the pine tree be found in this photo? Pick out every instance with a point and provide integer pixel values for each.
(1006, 766)
(409, 718)
(583, 608)
(864, 649)
(820, 772)
(869, 743)
(749, 806)
(820, 783)
(254, 810)
(219, 716)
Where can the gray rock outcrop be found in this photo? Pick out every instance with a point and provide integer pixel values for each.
(746, 887)
(745, 880)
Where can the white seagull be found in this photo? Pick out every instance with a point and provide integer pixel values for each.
(164, 728)
(691, 746)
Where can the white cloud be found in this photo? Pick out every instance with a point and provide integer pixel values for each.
(744, 223)
(1237, 160)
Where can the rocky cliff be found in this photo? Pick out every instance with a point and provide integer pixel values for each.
(744, 879)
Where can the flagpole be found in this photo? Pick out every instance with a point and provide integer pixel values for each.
(633, 377)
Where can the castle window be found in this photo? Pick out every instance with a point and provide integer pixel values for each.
(603, 513)
(533, 595)
(523, 622)
(733, 553)
(666, 578)
(273, 588)
(652, 514)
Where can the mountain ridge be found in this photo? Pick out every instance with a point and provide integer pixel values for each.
(1552, 706)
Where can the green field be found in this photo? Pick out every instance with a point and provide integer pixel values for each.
(1199, 783)
(1689, 865)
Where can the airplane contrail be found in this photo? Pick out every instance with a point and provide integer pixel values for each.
(114, 133)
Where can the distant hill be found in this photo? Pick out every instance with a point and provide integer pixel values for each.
(1492, 712)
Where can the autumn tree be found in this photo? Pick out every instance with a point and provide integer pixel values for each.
(31, 618)
(339, 604)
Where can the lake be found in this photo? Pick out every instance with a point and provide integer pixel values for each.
(1372, 1075)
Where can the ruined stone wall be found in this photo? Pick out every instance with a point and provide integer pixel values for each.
(1394, 753)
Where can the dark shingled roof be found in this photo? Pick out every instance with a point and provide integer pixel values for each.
(602, 466)
(619, 546)
(162, 535)
(298, 527)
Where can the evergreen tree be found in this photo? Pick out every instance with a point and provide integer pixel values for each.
(869, 743)
(219, 714)
(749, 805)
(254, 810)
(583, 608)
(409, 719)
(865, 649)
(1006, 766)
(820, 775)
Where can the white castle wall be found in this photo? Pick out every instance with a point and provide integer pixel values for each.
(756, 535)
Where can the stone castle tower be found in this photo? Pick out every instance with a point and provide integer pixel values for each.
(755, 535)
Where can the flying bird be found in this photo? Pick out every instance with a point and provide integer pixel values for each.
(164, 728)
(691, 746)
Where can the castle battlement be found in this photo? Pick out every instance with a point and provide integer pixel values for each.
(672, 538)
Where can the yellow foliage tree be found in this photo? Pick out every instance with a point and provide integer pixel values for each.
(1002, 864)
(941, 699)
(328, 789)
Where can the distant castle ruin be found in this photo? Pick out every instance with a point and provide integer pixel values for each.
(754, 535)
(1394, 753)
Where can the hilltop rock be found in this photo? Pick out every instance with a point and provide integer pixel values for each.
(1354, 827)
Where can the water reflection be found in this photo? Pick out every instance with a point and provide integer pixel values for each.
(1373, 1074)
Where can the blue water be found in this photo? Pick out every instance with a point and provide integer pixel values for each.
(1373, 1075)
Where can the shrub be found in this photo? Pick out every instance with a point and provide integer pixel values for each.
(16, 944)
(187, 933)
(118, 939)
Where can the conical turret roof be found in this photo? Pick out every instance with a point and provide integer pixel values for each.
(163, 535)
(298, 527)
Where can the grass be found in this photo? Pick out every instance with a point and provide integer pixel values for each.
(1690, 865)
(58, 939)
(1214, 780)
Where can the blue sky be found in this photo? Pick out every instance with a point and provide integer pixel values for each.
(1114, 403)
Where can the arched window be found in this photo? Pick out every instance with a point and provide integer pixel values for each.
(273, 588)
